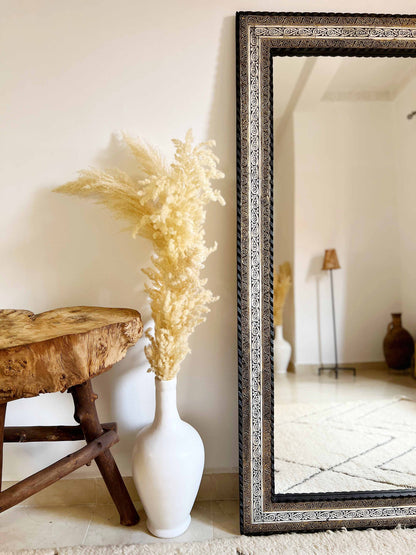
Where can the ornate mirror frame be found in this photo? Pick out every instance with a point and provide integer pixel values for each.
(260, 36)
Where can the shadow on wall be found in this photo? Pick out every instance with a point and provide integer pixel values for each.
(73, 252)
(222, 123)
(210, 371)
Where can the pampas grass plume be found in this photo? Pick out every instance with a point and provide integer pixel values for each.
(165, 205)
(281, 284)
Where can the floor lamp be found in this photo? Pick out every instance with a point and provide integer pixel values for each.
(331, 263)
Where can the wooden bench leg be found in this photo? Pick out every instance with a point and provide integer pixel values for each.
(86, 415)
(2, 418)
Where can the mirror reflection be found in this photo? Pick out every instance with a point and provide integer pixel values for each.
(345, 262)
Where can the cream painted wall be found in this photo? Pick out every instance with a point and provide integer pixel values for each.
(284, 215)
(74, 74)
(345, 198)
(405, 140)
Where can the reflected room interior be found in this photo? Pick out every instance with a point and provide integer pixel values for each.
(344, 179)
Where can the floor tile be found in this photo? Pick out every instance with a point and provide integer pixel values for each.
(226, 518)
(64, 492)
(370, 383)
(106, 530)
(102, 495)
(37, 527)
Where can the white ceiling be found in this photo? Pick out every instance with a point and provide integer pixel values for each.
(382, 76)
(301, 81)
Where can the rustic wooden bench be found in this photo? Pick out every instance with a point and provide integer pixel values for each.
(61, 350)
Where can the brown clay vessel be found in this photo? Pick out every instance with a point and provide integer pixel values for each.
(398, 345)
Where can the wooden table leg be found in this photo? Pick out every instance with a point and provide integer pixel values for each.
(86, 415)
(2, 418)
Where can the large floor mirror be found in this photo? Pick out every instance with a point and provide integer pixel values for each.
(344, 181)
(327, 266)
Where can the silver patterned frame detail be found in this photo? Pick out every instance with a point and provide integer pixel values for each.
(261, 35)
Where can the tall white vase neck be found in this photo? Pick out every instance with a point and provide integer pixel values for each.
(166, 410)
(278, 332)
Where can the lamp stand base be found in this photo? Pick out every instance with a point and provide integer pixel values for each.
(336, 369)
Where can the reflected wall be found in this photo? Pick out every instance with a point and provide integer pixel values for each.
(344, 177)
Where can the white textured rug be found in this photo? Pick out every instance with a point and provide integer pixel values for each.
(355, 542)
(357, 445)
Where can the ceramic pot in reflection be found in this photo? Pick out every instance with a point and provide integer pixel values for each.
(398, 345)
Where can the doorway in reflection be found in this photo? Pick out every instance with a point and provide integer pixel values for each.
(345, 175)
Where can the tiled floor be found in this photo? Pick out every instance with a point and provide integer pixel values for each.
(370, 383)
(60, 526)
(37, 526)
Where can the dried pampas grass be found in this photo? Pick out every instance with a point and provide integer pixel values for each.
(167, 206)
(281, 285)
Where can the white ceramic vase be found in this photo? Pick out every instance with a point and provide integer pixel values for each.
(282, 351)
(168, 460)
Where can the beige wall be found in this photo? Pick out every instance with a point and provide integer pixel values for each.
(405, 141)
(350, 188)
(346, 198)
(284, 215)
(74, 73)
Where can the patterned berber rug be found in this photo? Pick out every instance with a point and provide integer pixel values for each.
(359, 445)
(355, 542)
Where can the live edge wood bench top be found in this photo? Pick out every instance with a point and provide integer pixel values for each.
(55, 350)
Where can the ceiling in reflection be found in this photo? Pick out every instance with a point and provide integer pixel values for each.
(304, 81)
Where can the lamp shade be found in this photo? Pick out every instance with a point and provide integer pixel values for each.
(330, 260)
